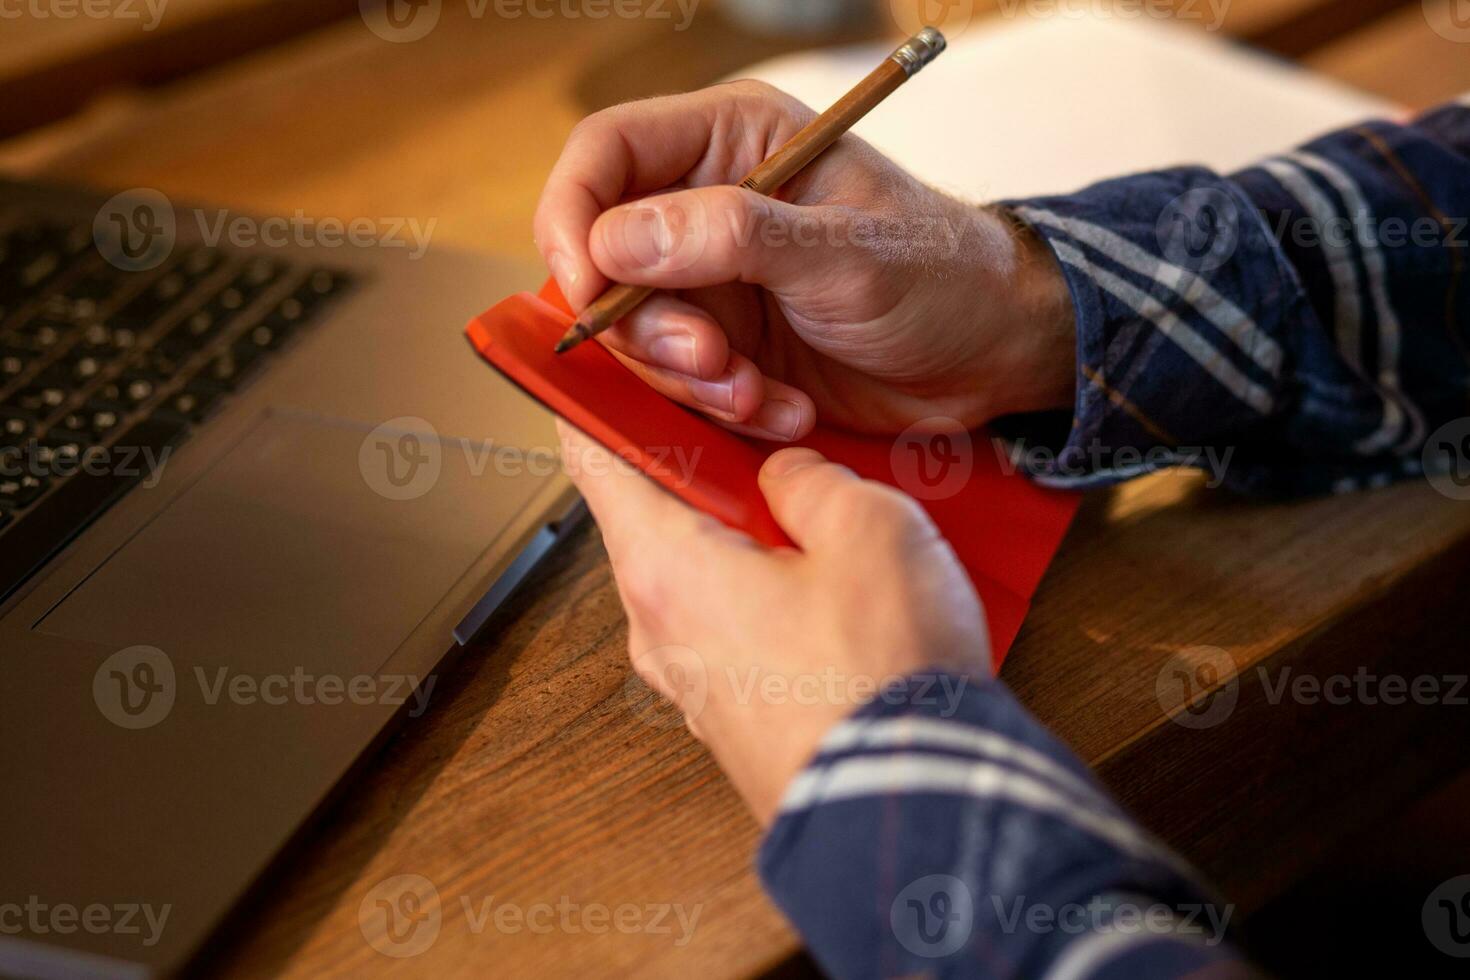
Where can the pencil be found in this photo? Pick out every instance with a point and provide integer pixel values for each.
(619, 300)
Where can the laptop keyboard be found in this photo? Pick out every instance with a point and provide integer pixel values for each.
(102, 371)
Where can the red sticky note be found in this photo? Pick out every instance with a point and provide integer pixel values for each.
(1004, 528)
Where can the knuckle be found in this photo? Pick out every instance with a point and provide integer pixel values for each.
(608, 124)
(754, 88)
(904, 511)
(591, 127)
(643, 587)
(892, 514)
(851, 506)
(736, 218)
(698, 549)
(768, 94)
(729, 205)
(650, 570)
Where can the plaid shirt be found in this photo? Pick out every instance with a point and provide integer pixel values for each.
(1306, 319)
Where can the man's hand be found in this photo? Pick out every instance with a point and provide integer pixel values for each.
(860, 295)
(740, 636)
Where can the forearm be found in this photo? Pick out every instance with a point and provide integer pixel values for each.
(1300, 326)
(943, 831)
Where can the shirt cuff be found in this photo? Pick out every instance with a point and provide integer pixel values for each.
(1183, 303)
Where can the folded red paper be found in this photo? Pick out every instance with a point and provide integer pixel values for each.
(1004, 528)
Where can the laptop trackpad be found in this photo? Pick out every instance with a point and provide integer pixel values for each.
(302, 547)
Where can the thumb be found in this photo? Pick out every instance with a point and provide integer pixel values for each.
(709, 236)
(823, 506)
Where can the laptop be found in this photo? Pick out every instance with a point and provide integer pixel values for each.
(253, 490)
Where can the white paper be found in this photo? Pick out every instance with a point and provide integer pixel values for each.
(1026, 107)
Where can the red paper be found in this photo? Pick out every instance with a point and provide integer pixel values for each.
(1004, 528)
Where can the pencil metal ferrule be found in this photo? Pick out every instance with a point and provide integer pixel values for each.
(919, 50)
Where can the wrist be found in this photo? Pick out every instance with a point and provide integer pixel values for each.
(1032, 365)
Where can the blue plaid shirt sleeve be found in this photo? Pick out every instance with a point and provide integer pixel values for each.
(1305, 320)
(1297, 327)
(943, 832)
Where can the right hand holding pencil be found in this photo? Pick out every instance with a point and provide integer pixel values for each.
(860, 294)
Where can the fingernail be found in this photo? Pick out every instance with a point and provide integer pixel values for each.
(562, 270)
(779, 417)
(677, 352)
(646, 239)
(788, 461)
(719, 395)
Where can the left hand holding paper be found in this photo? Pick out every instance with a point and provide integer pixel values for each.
(765, 649)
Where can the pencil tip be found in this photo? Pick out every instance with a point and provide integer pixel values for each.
(572, 338)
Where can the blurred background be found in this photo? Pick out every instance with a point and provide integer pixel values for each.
(101, 73)
(57, 56)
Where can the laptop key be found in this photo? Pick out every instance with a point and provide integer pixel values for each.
(257, 276)
(198, 263)
(13, 363)
(15, 426)
(304, 301)
(321, 284)
(41, 334)
(94, 419)
(230, 368)
(81, 366)
(193, 403)
(128, 390)
(100, 336)
(169, 288)
(20, 491)
(289, 312)
(40, 399)
(61, 447)
(231, 300)
(201, 326)
(263, 337)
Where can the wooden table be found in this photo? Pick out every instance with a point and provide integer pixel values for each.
(545, 775)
